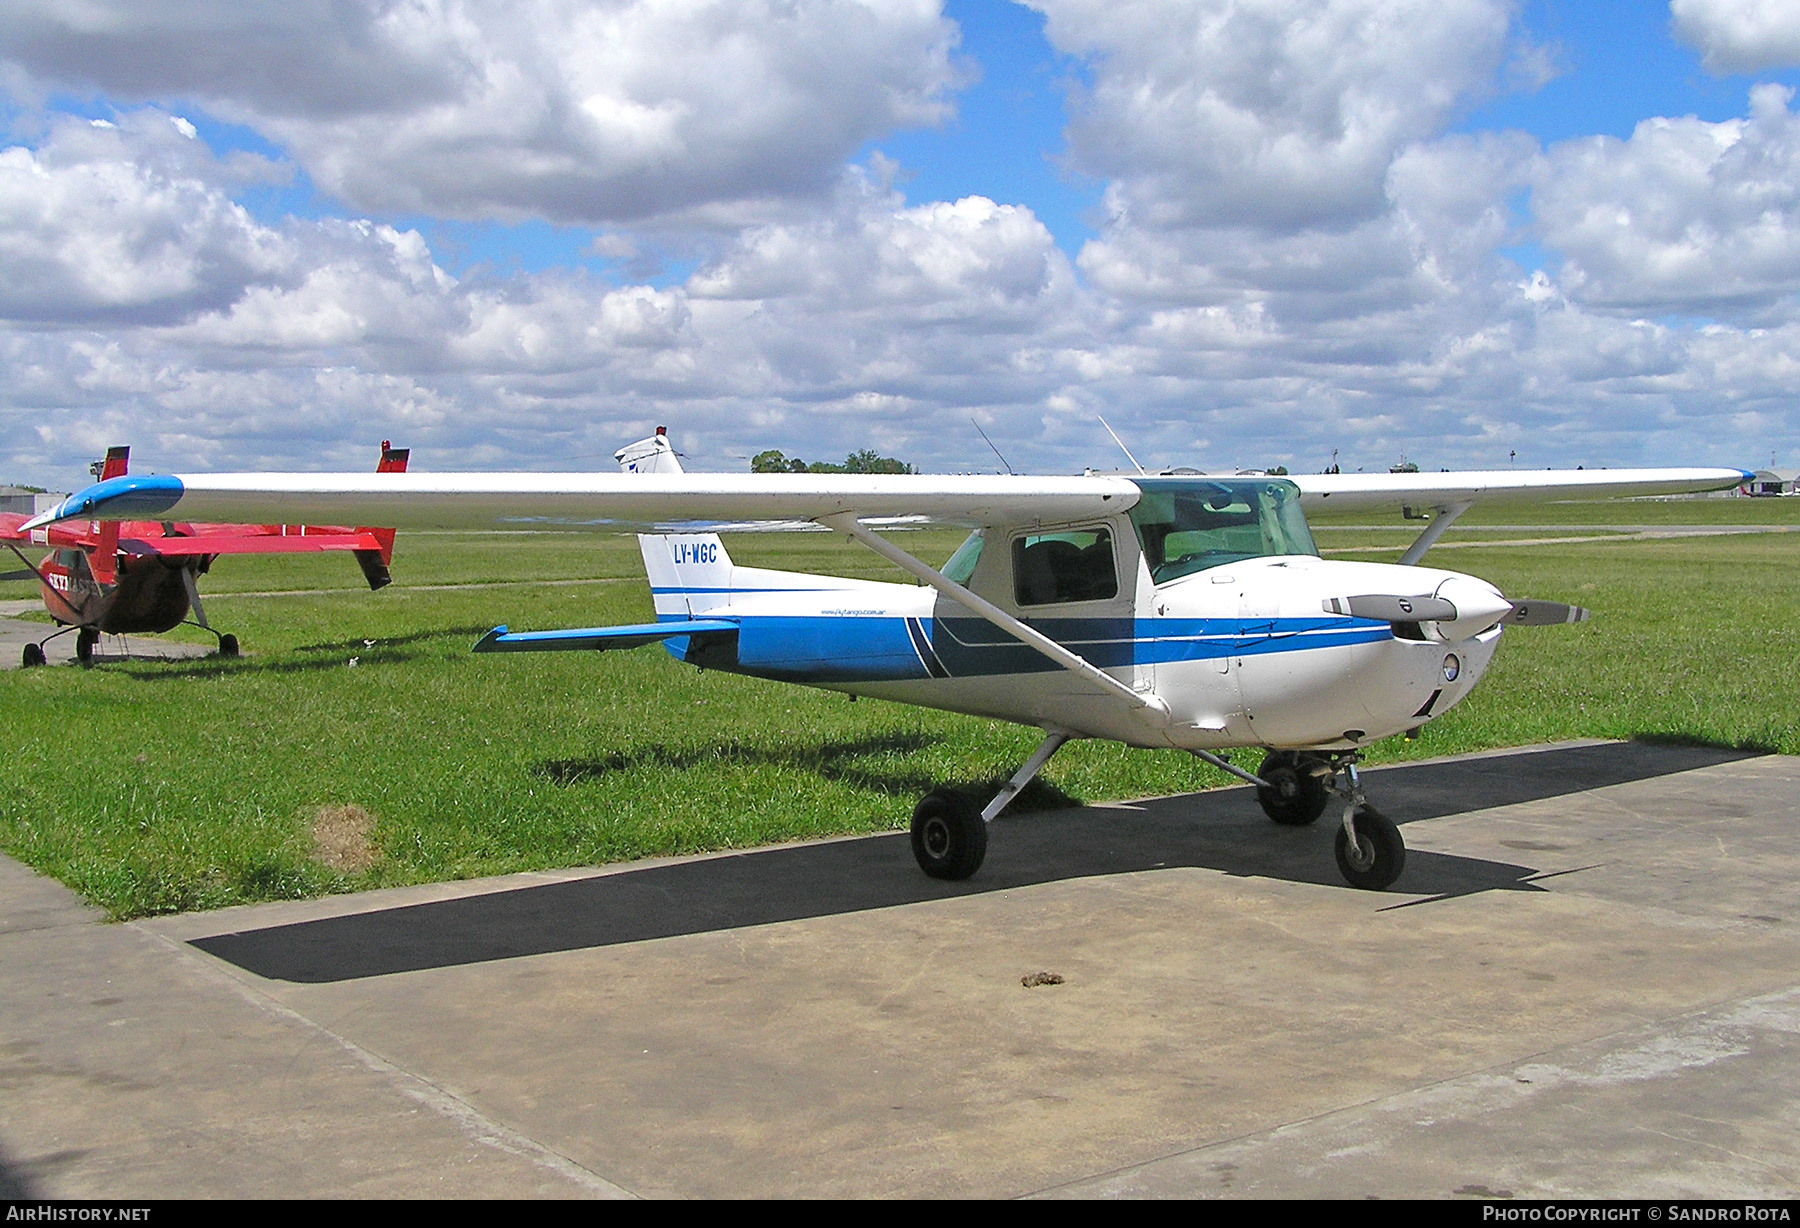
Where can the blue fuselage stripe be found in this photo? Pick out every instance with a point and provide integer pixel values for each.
(883, 648)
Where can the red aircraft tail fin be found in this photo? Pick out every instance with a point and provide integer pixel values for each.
(393, 460)
(100, 562)
(374, 563)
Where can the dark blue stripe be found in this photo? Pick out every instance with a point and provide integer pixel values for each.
(880, 649)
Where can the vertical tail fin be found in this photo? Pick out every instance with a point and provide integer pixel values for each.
(102, 561)
(374, 563)
(653, 455)
(689, 572)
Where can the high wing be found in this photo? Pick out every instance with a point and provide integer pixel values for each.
(611, 501)
(604, 501)
(1417, 491)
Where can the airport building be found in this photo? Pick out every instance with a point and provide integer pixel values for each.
(30, 502)
(1773, 482)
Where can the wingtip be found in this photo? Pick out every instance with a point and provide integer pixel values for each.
(490, 641)
(115, 499)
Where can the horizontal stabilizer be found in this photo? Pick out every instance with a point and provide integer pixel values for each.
(1544, 614)
(597, 638)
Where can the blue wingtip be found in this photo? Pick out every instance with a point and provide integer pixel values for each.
(116, 499)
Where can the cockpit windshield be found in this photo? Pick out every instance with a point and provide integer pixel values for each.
(1189, 524)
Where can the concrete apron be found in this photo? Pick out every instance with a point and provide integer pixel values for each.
(1587, 982)
(15, 633)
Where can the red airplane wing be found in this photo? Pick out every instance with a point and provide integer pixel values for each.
(300, 539)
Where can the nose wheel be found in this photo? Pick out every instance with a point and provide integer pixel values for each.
(1294, 788)
(1370, 852)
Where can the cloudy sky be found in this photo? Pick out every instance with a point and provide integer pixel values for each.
(518, 233)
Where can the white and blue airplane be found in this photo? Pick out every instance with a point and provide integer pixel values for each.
(1173, 610)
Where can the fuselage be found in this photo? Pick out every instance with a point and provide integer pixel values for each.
(1235, 639)
(146, 592)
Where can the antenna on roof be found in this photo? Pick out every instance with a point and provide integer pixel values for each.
(1121, 443)
(990, 443)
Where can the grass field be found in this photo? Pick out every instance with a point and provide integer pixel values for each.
(155, 787)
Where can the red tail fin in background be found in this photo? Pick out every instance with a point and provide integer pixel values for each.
(393, 460)
(374, 563)
(101, 561)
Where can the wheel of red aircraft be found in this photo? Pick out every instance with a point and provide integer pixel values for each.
(1294, 795)
(949, 836)
(34, 655)
(85, 639)
(1380, 853)
(228, 646)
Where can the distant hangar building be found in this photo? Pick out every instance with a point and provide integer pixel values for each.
(1773, 482)
(30, 502)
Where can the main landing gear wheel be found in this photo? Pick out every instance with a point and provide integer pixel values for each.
(85, 639)
(228, 646)
(949, 836)
(34, 655)
(1295, 795)
(1379, 855)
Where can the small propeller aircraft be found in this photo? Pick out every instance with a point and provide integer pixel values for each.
(1170, 610)
(139, 577)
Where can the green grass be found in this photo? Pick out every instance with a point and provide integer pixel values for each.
(156, 787)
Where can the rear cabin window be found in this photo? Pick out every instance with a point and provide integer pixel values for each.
(1072, 565)
(1190, 524)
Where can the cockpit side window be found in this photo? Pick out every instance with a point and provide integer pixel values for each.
(1190, 524)
(1070, 565)
(962, 564)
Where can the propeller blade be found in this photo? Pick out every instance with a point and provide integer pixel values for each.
(1543, 614)
(1393, 609)
(24, 573)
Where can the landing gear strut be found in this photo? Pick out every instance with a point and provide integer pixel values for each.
(949, 836)
(1370, 852)
(1295, 788)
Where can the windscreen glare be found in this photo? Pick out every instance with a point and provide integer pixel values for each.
(1187, 525)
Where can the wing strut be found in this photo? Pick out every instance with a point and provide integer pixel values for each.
(30, 573)
(193, 595)
(1445, 517)
(846, 522)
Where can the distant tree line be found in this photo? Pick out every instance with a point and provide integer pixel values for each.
(865, 461)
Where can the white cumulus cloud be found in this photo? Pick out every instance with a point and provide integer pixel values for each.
(1684, 216)
(570, 110)
(1739, 35)
(1266, 113)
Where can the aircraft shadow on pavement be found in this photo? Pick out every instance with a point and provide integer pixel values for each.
(1221, 830)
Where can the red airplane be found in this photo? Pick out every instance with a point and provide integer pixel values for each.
(138, 576)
